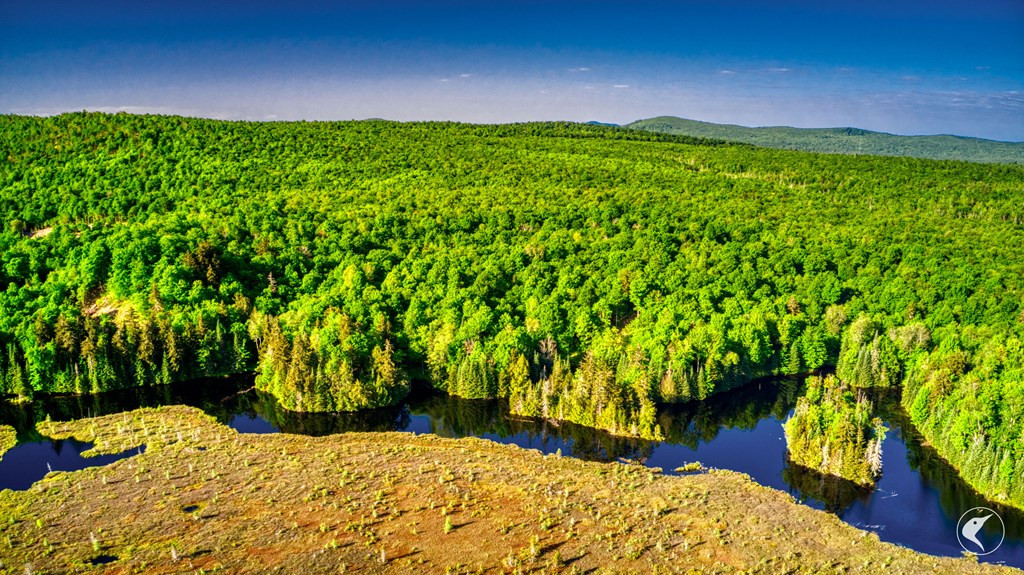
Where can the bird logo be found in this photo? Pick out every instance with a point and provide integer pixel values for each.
(969, 529)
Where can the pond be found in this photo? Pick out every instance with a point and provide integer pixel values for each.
(916, 503)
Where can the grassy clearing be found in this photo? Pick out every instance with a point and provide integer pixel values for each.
(203, 498)
(8, 438)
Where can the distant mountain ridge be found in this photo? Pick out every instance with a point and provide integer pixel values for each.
(843, 140)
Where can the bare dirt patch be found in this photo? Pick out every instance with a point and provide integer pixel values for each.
(41, 233)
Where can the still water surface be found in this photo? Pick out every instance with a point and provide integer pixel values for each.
(916, 503)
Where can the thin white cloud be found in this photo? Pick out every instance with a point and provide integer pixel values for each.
(726, 72)
(580, 69)
(224, 83)
(465, 75)
(779, 70)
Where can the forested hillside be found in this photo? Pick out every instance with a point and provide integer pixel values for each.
(583, 272)
(844, 140)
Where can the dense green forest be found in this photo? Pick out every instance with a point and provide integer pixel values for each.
(844, 140)
(832, 431)
(585, 273)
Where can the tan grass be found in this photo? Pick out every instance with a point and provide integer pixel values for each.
(7, 439)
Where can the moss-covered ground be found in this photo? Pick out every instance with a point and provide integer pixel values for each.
(7, 439)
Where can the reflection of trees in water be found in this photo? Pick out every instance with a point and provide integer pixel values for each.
(835, 493)
(955, 495)
(224, 398)
(600, 446)
(266, 406)
(693, 423)
(22, 417)
(206, 394)
(456, 417)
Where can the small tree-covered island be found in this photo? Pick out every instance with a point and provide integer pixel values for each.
(583, 273)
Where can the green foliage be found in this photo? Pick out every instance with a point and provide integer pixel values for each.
(844, 140)
(583, 272)
(867, 359)
(832, 431)
(331, 366)
(967, 398)
(8, 439)
(474, 377)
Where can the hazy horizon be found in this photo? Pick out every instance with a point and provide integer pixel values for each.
(914, 69)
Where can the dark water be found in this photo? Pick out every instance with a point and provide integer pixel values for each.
(29, 462)
(917, 502)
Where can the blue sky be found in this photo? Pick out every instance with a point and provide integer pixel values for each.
(904, 67)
